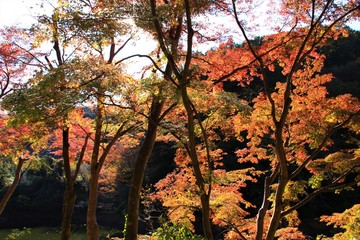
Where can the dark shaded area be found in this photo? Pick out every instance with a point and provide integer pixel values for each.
(325, 204)
(37, 200)
(343, 61)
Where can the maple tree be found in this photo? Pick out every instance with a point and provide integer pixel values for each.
(158, 90)
(104, 75)
(75, 78)
(278, 112)
(73, 146)
(154, 115)
(14, 58)
(294, 143)
(16, 141)
(168, 32)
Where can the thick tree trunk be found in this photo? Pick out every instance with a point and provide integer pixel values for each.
(139, 172)
(13, 185)
(92, 228)
(67, 212)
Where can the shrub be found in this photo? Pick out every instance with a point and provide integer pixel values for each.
(174, 232)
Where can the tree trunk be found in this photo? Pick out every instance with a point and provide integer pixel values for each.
(283, 180)
(13, 186)
(67, 212)
(276, 216)
(265, 205)
(92, 228)
(200, 182)
(139, 172)
(205, 205)
(262, 211)
(70, 192)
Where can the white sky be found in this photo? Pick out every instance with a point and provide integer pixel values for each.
(22, 11)
(17, 11)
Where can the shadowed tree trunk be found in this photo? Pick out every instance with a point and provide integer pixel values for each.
(92, 229)
(139, 170)
(70, 192)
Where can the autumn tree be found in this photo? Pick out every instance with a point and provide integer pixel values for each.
(158, 92)
(81, 72)
(169, 21)
(154, 114)
(290, 123)
(17, 142)
(74, 147)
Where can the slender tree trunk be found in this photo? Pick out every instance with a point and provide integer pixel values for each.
(67, 212)
(276, 216)
(265, 205)
(13, 185)
(200, 182)
(283, 181)
(262, 211)
(139, 171)
(69, 194)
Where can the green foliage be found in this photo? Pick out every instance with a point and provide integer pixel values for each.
(125, 225)
(18, 234)
(45, 101)
(315, 181)
(175, 232)
(7, 167)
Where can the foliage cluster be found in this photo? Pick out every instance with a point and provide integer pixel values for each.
(174, 232)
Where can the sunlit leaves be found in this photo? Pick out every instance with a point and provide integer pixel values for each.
(290, 233)
(15, 58)
(47, 101)
(22, 141)
(349, 220)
